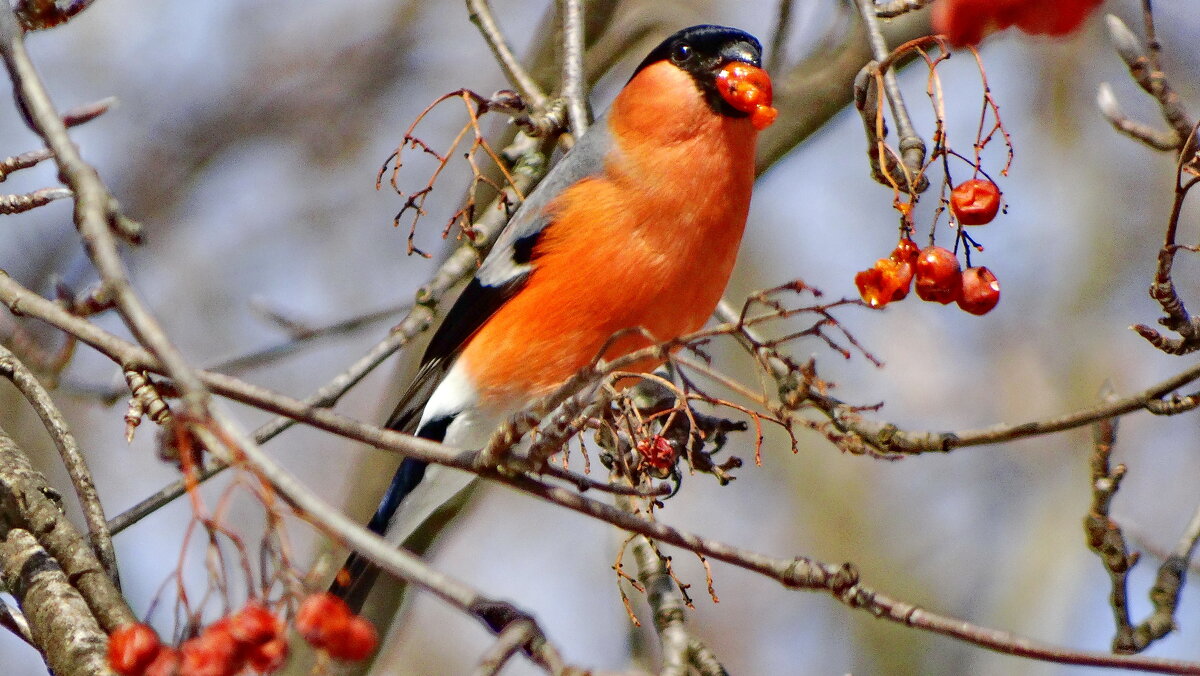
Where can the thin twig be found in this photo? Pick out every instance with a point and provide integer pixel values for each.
(15, 204)
(72, 457)
(480, 14)
(1144, 69)
(457, 267)
(93, 213)
(396, 561)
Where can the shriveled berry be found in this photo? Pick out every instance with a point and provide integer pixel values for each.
(657, 452)
(906, 251)
(131, 648)
(895, 277)
(980, 291)
(871, 287)
(975, 202)
(939, 277)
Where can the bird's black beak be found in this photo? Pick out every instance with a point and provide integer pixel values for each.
(741, 50)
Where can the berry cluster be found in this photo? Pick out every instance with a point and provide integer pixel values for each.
(253, 638)
(939, 278)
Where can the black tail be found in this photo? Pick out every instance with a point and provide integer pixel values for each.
(357, 576)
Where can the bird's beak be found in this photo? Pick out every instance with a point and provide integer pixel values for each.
(742, 51)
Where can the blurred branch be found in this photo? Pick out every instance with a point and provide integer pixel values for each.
(27, 502)
(13, 620)
(458, 266)
(1144, 68)
(15, 204)
(94, 213)
(895, 8)
(72, 457)
(60, 623)
(779, 35)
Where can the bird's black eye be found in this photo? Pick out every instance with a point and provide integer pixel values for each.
(681, 52)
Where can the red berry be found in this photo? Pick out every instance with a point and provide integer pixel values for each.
(657, 452)
(212, 653)
(763, 117)
(743, 86)
(321, 616)
(166, 663)
(975, 202)
(980, 291)
(939, 278)
(748, 88)
(355, 641)
(254, 624)
(906, 251)
(266, 658)
(131, 648)
(966, 22)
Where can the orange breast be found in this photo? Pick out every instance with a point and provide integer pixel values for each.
(651, 242)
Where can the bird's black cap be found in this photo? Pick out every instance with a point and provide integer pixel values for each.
(701, 51)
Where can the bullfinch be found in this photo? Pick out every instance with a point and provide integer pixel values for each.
(637, 226)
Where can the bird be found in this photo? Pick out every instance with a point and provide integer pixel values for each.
(636, 227)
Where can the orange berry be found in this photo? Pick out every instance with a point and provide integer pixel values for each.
(747, 88)
(213, 653)
(166, 663)
(320, 616)
(254, 624)
(266, 658)
(355, 640)
(871, 288)
(131, 648)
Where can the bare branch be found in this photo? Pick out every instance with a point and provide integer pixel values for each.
(573, 83)
(93, 212)
(72, 457)
(480, 13)
(26, 503)
(60, 623)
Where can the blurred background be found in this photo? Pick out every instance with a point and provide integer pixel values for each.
(247, 138)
